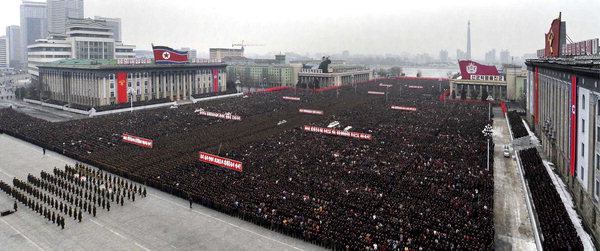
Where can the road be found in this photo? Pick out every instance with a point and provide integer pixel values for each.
(513, 230)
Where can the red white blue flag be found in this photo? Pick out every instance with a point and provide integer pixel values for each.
(167, 55)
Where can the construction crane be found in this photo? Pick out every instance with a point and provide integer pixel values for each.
(243, 44)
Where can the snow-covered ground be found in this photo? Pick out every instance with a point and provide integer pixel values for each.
(566, 198)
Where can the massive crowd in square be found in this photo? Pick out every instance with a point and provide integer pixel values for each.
(420, 183)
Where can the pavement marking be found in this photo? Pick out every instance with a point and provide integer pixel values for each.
(229, 223)
(24, 236)
(142, 247)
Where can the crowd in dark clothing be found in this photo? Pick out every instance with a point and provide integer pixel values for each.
(516, 124)
(420, 183)
(557, 229)
(69, 192)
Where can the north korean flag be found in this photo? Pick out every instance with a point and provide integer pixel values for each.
(167, 55)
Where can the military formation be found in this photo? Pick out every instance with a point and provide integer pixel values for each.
(71, 193)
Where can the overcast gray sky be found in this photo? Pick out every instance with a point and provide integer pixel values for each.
(362, 27)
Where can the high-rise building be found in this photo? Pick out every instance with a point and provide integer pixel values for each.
(505, 57)
(460, 54)
(84, 39)
(58, 11)
(33, 24)
(490, 57)
(4, 54)
(443, 56)
(114, 24)
(220, 53)
(192, 53)
(468, 40)
(13, 34)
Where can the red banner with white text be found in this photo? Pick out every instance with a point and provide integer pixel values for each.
(137, 140)
(220, 161)
(357, 135)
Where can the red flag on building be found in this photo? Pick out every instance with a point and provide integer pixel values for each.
(121, 87)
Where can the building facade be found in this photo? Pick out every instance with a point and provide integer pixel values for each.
(4, 53)
(83, 39)
(33, 24)
(59, 11)
(220, 53)
(563, 109)
(13, 34)
(114, 24)
(263, 75)
(94, 82)
(315, 78)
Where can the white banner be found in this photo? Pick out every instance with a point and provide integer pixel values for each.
(404, 108)
(218, 115)
(291, 98)
(376, 93)
(357, 135)
(317, 112)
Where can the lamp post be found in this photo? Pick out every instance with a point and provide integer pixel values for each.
(490, 99)
(130, 91)
(487, 132)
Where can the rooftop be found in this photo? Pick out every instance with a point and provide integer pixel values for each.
(112, 63)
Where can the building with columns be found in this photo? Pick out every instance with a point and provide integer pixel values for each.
(94, 82)
(563, 110)
(339, 75)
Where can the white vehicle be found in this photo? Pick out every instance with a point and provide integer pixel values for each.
(348, 128)
(281, 122)
(506, 152)
(333, 124)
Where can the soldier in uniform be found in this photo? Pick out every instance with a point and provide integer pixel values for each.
(79, 216)
(94, 211)
(15, 206)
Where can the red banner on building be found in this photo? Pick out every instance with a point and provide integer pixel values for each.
(415, 86)
(552, 39)
(218, 115)
(121, 87)
(291, 98)
(385, 85)
(317, 112)
(470, 70)
(573, 124)
(404, 108)
(215, 80)
(137, 140)
(357, 135)
(220, 161)
(376, 93)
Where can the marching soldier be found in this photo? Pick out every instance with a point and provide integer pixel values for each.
(121, 201)
(79, 216)
(108, 206)
(133, 197)
(94, 211)
(53, 217)
(15, 206)
(144, 192)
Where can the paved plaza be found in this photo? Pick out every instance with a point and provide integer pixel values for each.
(158, 222)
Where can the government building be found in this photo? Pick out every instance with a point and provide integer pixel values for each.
(93, 83)
(563, 109)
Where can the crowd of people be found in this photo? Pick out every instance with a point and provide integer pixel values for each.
(69, 192)
(516, 124)
(557, 229)
(420, 183)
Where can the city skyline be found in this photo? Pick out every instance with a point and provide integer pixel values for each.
(375, 29)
